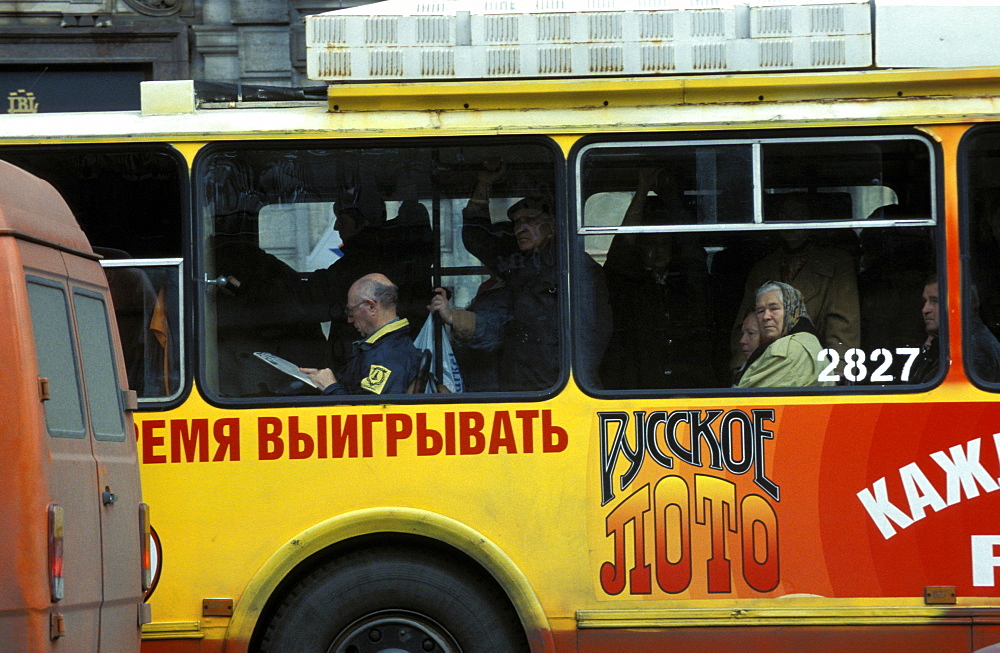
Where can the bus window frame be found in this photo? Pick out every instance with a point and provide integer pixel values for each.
(967, 189)
(482, 143)
(935, 224)
(182, 345)
(758, 224)
(26, 157)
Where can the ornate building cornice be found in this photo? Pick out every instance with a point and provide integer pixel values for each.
(155, 7)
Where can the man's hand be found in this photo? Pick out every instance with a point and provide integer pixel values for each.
(647, 179)
(493, 171)
(322, 378)
(440, 305)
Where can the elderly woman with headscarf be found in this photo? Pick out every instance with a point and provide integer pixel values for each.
(788, 354)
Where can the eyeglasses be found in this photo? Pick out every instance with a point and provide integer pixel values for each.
(349, 310)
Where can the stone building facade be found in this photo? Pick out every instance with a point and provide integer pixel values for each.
(63, 55)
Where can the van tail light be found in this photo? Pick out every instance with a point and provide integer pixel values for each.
(56, 529)
(145, 542)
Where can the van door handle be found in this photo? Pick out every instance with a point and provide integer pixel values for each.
(108, 497)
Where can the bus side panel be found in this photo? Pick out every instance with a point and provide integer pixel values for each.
(765, 639)
(985, 635)
(72, 483)
(24, 590)
(117, 473)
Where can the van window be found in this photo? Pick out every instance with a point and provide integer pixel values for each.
(56, 361)
(97, 349)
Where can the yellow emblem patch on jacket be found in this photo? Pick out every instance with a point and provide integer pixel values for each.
(377, 377)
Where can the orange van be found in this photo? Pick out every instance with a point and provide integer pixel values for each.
(74, 559)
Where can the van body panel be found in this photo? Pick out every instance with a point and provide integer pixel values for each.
(34, 208)
(72, 471)
(60, 327)
(24, 601)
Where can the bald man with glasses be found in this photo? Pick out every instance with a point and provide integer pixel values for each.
(384, 360)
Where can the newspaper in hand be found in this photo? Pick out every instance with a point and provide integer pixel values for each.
(289, 368)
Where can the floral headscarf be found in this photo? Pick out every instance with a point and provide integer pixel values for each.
(791, 300)
(796, 321)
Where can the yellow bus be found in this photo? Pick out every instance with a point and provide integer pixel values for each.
(630, 456)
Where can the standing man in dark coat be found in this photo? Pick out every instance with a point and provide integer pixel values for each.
(659, 295)
(401, 248)
(526, 259)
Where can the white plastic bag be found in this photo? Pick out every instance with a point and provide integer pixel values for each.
(451, 375)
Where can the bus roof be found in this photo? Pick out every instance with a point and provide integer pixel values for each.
(412, 40)
(30, 209)
(173, 110)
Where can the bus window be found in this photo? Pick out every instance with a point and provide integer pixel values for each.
(288, 231)
(139, 185)
(147, 297)
(981, 280)
(689, 232)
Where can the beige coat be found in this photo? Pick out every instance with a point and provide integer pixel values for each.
(790, 362)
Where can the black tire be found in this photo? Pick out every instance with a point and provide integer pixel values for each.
(386, 598)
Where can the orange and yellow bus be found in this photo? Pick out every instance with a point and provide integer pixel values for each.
(633, 494)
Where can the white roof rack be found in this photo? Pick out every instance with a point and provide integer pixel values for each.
(400, 40)
(936, 33)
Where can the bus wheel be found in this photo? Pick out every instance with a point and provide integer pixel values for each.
(398, 600)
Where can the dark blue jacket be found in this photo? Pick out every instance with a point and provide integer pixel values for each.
(383, 363)
(529, 354)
